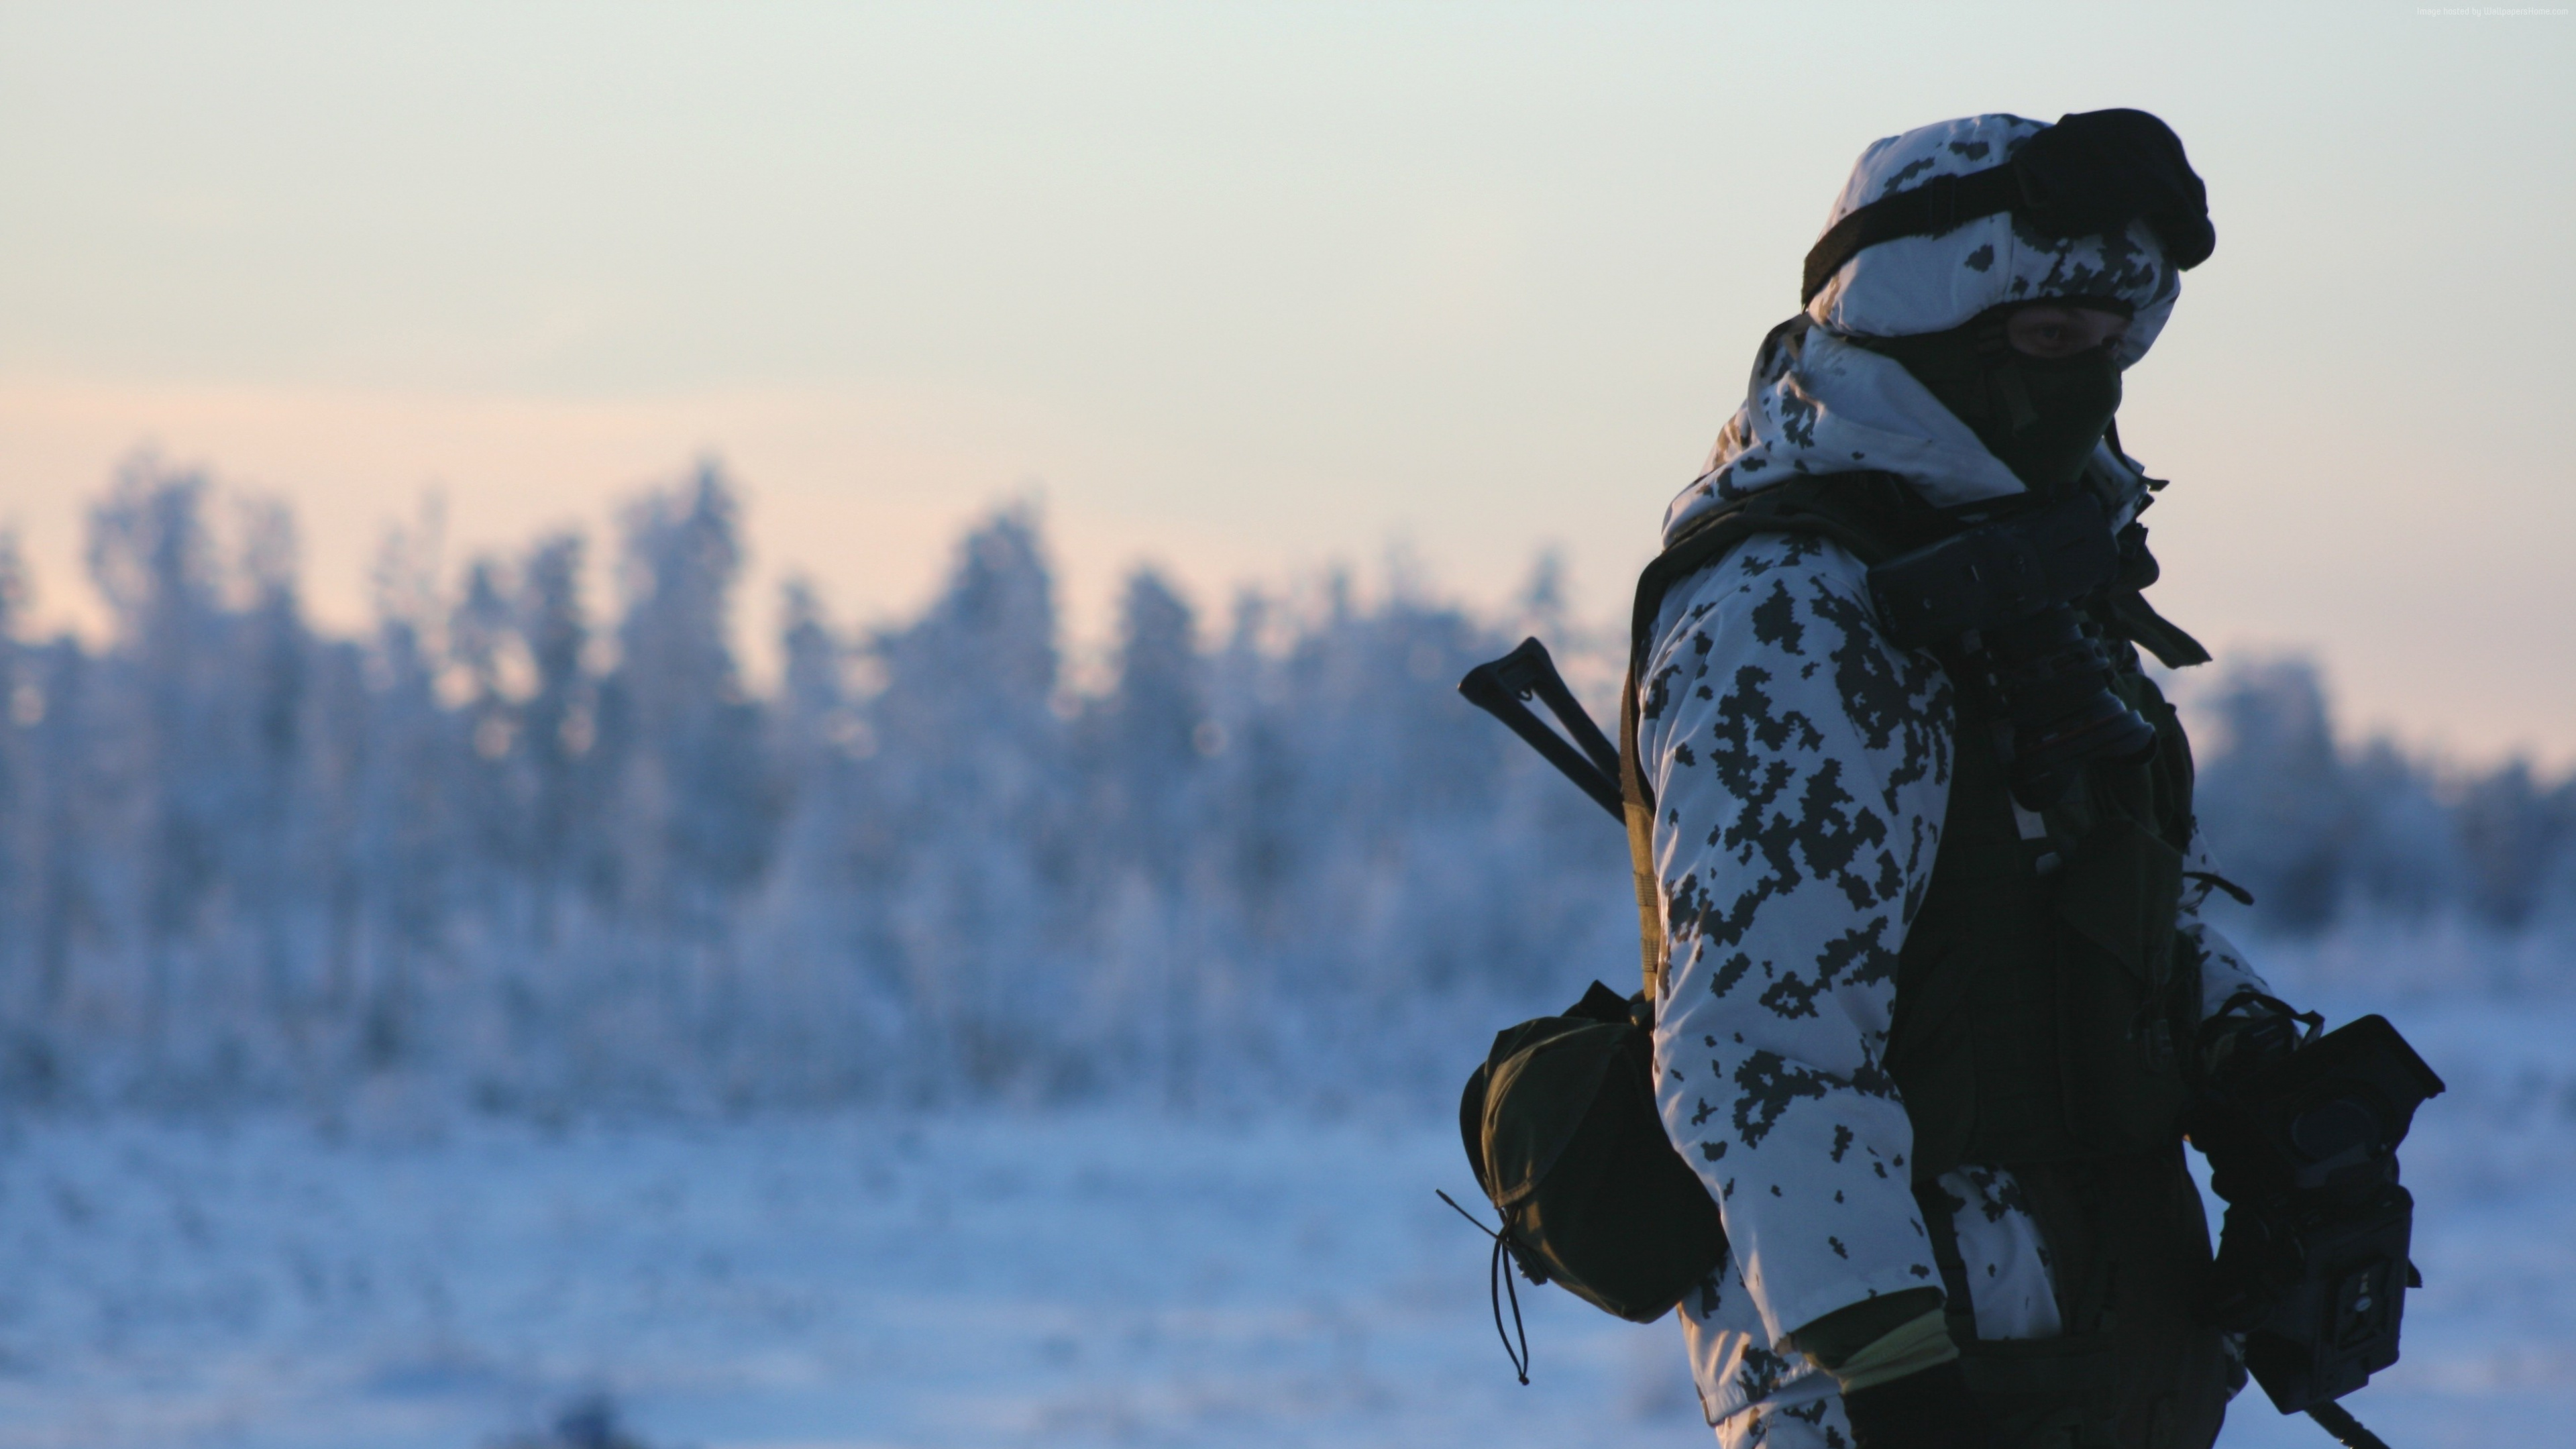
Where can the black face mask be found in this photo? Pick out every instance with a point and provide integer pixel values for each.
(2040, 416)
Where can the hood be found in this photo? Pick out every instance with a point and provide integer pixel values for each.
(1817, 404)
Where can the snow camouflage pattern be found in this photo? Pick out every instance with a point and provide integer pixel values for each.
(1801, 767)
(1815, 404)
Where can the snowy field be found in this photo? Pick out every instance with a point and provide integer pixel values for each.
(417, 1280)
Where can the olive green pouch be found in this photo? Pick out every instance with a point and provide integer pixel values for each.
(1561, 1129)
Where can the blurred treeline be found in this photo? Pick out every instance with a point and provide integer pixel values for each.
(552, 856)
(2330, 832)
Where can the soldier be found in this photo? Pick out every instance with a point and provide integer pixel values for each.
(1935, 979)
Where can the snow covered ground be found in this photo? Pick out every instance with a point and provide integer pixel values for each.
(990, 1279)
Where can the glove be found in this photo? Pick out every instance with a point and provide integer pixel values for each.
(2259, 1258)
(2259, 1261)
(1927, 1410)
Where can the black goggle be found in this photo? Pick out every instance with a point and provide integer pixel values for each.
(2093, 172)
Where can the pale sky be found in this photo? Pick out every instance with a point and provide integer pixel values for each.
(1244, 290)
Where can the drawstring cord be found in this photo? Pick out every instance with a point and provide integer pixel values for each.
(1498, 1282)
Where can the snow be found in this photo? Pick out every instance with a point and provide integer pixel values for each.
(852, 1279)
(988, 1277)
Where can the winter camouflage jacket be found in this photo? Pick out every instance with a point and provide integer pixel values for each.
(1801, 764)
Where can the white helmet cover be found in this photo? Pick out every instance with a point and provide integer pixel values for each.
(1932, 283)
(1817, 404)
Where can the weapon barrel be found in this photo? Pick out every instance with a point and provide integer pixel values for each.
(2338, 1421)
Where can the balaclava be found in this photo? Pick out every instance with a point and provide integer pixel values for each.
(1893, 364)
(2039, 416)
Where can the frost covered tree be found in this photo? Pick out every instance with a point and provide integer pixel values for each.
(554, 857)
(558, 725)
(493, 782)
(1146, 735)
(974, 813)
(27, 995)
(2274, 796)
(696, 804)
(2514, 836)
(270, 656)
(404, 827)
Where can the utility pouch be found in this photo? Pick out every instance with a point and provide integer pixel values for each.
(2004, 594)
(1560, 1127)
(2312, 1265)
(2126, 1245)
(2338, 1323)
(1560, 1123)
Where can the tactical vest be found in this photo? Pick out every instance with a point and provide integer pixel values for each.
(2043, 999)
(2040, 994)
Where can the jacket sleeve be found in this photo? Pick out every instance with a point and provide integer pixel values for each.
(1800, 766)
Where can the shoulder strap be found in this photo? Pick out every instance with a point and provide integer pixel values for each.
(1875, 515)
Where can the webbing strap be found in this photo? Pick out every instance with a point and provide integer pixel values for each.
(1943, 204)
(2090, 172)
